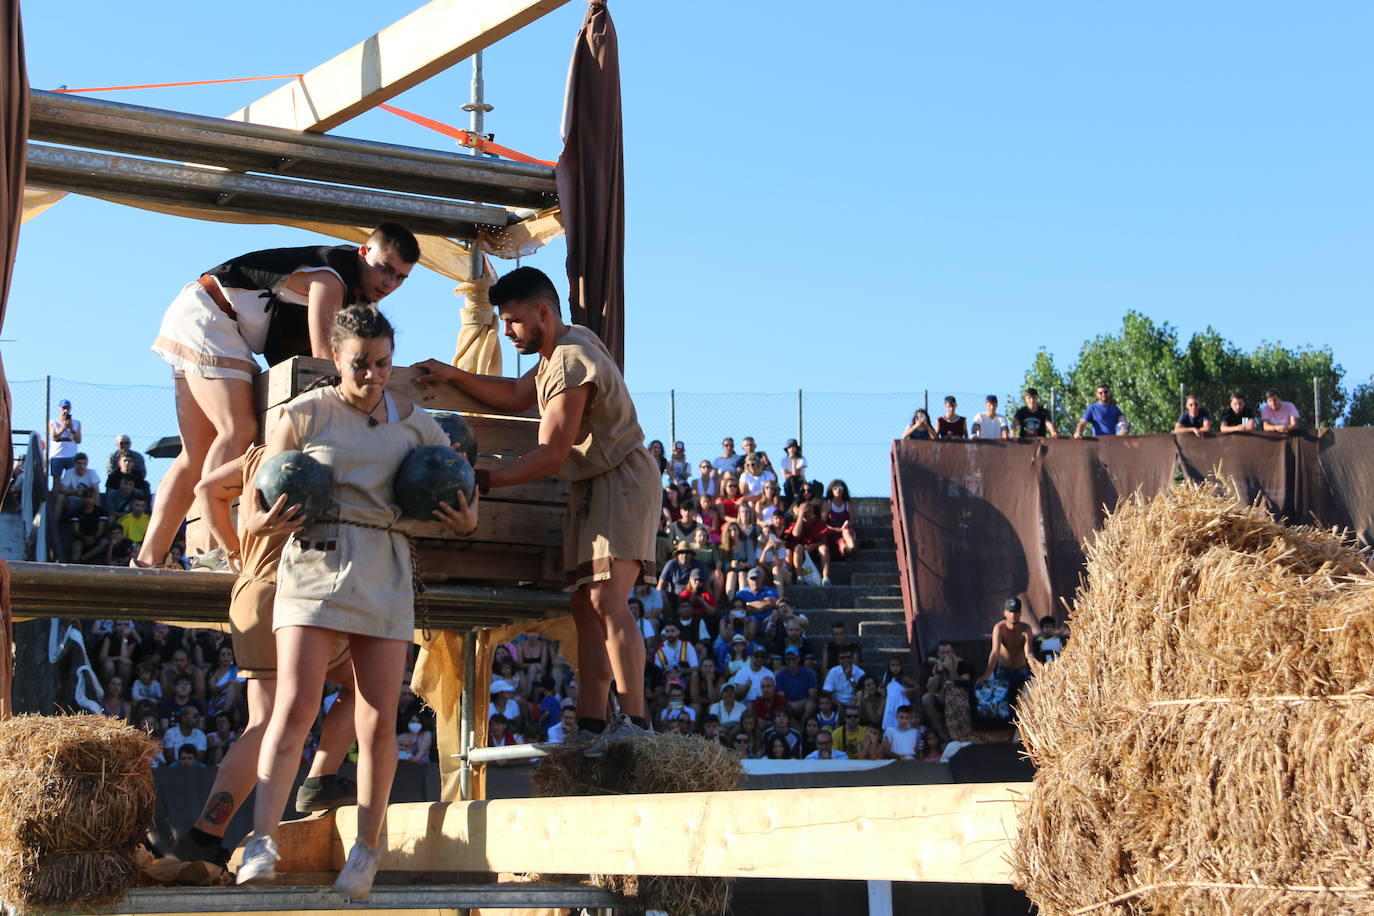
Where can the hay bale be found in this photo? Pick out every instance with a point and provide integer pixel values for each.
(1203, 744)
(643, 766)
(76, 800)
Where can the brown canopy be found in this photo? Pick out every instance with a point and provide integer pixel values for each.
(591, 182)
(14, 135)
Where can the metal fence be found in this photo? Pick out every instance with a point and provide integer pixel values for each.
(844, 435)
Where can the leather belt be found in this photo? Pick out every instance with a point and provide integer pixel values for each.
(216, 294)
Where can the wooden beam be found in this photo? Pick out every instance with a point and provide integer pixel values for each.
(949, 833)
(404, 54)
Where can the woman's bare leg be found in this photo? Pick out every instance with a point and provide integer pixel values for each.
(378, 665)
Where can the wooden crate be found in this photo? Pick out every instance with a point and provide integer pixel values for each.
(520, 533)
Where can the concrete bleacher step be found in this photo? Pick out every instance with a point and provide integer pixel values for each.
(893, 602)
(887, 577)
(882, 628)
(836, 595)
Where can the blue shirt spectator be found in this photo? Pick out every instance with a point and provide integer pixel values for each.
(1103, 417)
(796, 685)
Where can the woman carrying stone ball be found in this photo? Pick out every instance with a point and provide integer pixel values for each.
(348, 574)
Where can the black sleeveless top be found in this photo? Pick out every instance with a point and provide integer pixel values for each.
(288, 334)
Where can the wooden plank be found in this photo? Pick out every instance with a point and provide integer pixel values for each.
(505, 523)
(947, 833)
(404, 54)
(505, 564)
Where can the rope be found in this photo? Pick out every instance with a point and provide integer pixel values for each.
(416, 583)
(1221, 886)
(237, 79)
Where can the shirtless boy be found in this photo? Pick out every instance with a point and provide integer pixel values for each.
(1009, 659)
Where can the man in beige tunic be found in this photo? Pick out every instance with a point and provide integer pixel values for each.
(589, 435)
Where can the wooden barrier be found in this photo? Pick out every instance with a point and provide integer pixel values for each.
(948, 833)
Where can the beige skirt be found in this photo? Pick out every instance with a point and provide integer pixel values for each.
(197, 338)
(613, 516)
(346, 579)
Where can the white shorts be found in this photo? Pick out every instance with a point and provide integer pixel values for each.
(198, 338)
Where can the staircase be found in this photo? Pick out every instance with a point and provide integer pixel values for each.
(863, 592)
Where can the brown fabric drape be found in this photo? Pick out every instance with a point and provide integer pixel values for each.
(591, 182)
(14, 135)
(977, 522)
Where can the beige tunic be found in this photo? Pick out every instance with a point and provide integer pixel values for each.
(342, 577)
(616, 493)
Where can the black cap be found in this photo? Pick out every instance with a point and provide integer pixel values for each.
(1013, 604)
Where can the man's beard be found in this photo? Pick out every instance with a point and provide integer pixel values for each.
(533, 344)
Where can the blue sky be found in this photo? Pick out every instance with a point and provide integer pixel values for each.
(877, 198)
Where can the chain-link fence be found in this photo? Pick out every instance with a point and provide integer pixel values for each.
(845, 435)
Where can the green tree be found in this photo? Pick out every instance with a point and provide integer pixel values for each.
(1361, 411)
(1142, 364)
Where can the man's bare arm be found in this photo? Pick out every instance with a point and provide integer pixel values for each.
(506, 394)
(992, 656)
(324, 295)
(558, 430)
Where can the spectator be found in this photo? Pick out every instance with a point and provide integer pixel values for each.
(545, 705)
(1103, 418)
(503, 701)
(181, 697)
(88, 528)
(808, 532)
(839, 520)
(727, 505)
(157, 647)
(782, 729)
(759, 599)
(839, 642)
(115, 703)
(1009, 659)
(120, 500)
(749, 680)
(906, 741)
(740, 554)
(126, 471)
(179, 665)
(147, 687)
(810, 729)
(789, 633)
(752, 480)
(676, 706)
(1195, 419)
(679, 469)
(851, 736)
(677, 574)
(686, 523)
(711, 730)
(739, 743)
(769, 699)
(223, 687)
(79, 476)
(656, 451)
(703, 687)
(770, 504)
(188, 756)
(565, 727)
(919, 427)
(415, 742)
(775, 628)
(825, 748)
(696, 608)
(536, 657)
(828, 714)
(899, 690)
(871, 701)
(709, 524)
(793, 463)
(648, 628)
(652, 601)
(990, 424)
(507, 670)
(116, 653)
(218, 742)
(119, 550)
(1278, 415)
(707, 481)
(673, 651)
(797, 684)
(1050, 642)
(1033, 420)
(766, 467)
(65, 433)
(951, 425)
(727, 709)
(842, 681)
(124, 446)
(185, 732)
(1237, 417)
(738, 659)
(749, 727)
(728, 460)
(134, 524)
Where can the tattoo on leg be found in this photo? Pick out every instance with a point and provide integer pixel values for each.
(219, 807)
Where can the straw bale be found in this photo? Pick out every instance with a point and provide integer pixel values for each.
(76, 800)
(1203, 744)
(641, 766)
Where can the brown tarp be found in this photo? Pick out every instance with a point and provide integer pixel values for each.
(591, 182)
(977, 522)
(14, 135)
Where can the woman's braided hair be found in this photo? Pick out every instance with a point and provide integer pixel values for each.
(362, 321)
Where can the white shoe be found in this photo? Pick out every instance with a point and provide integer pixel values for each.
(259, 861)
(825, 581)
(355, 881)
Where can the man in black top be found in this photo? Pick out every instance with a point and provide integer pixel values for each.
(1195, 419)
(279, 302)
(1237, 417)
(1033, 420)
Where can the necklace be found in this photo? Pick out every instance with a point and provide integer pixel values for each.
(371, 420)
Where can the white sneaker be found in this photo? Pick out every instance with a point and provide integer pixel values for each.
(355, 881)
(259, 861)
